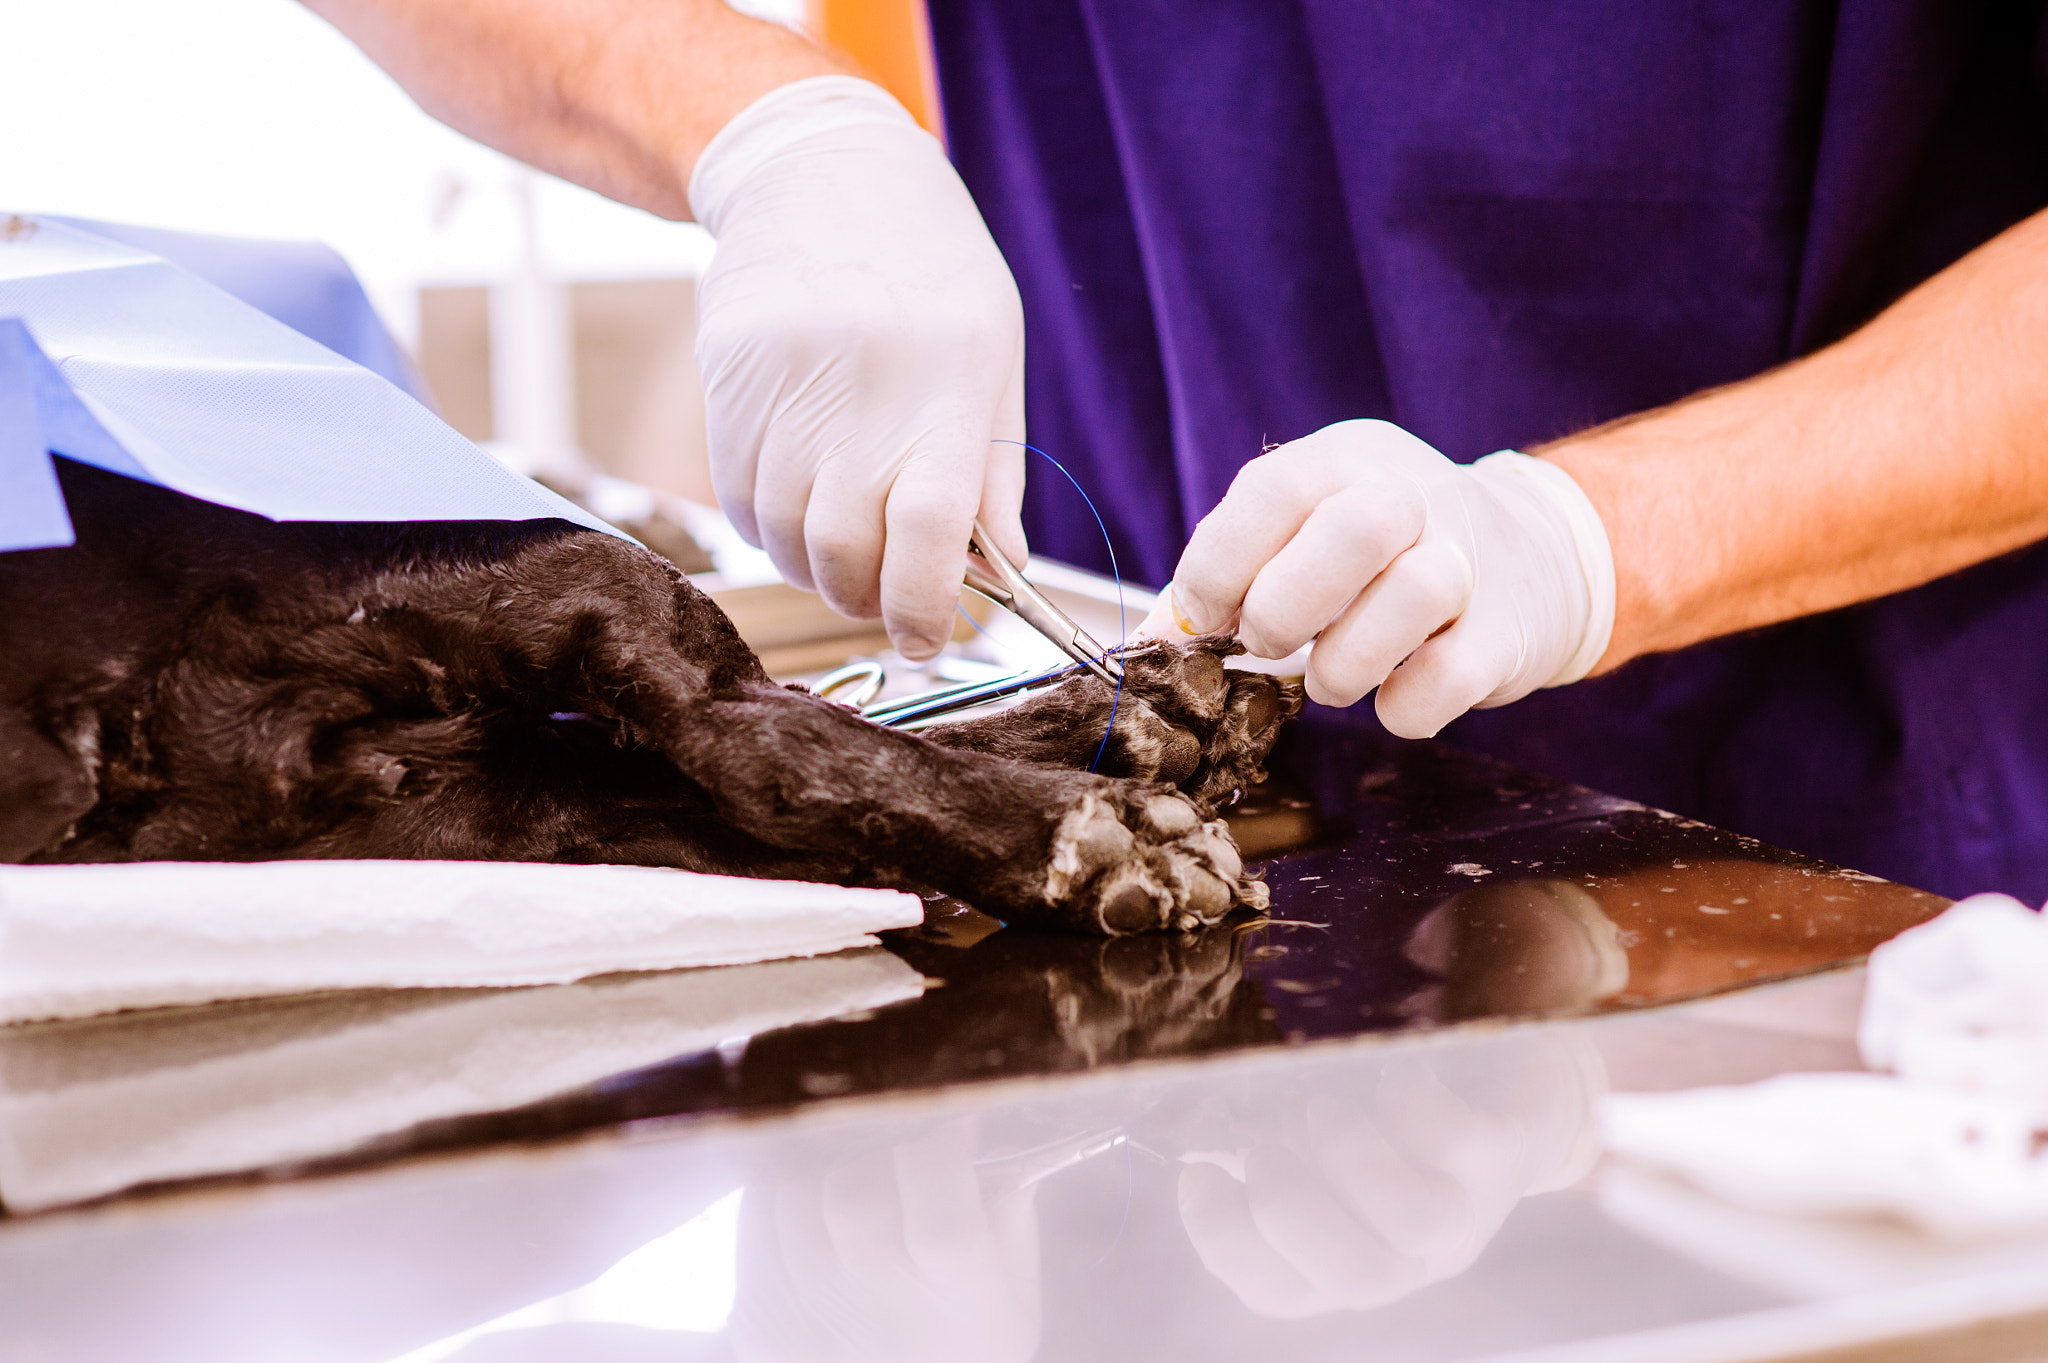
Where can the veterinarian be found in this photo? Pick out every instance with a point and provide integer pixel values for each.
(1792, 256)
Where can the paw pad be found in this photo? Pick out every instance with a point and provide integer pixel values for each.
(1231, 717)
(1134, 858)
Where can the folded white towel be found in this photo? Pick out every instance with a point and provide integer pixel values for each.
(78, 940)
(1962, 1002)
(1953, 1164)
(1954, 1140)
(91, 1107)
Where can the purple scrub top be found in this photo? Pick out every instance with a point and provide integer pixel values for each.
(1235, 221)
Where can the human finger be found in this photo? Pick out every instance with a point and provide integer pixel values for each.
(1160, 622)
(1267, 503)
(783, 481)
(1002, 508)
(843, 533)
(863, 1222)
(1419, 1210)
(1444, 678)
(1346, 542)
(946, 1229)
(1301, 1216)
(734, 453)
(1418, 593)
(928, 520)
(1216, 1211)
(1005, 471)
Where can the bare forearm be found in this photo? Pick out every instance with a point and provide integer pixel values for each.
(1911, 449)
(619, 96)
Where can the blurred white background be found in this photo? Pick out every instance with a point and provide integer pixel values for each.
(254, 118)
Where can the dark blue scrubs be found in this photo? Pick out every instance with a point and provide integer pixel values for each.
(1235, 221)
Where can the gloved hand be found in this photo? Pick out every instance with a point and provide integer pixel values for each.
(1446, 586)
(862, 346)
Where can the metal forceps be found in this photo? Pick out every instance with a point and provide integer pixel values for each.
(1009, 589)
(1005, 585)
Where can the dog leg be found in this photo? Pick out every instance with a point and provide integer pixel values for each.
(1182, 718)
(603, 629)
(1026, 843)
(408, 710)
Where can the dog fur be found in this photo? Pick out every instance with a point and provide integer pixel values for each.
(191, 682)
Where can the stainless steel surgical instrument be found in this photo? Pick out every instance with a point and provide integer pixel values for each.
(1009, 589)
(1006, 586)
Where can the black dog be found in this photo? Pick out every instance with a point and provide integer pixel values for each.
(190, 682)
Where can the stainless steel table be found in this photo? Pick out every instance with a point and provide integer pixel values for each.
(1359, 1130)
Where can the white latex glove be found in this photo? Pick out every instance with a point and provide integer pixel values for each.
(1480, 583)
(862, 344)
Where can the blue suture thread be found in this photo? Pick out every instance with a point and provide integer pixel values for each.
(1122, 628)
(972, 621)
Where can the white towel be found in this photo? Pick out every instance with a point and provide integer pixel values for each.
(91, 1107)
(78, 940)
(1962, 1002)
(1954, 1140)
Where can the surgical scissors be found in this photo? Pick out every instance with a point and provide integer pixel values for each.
(1009, 589)
(1006, 587)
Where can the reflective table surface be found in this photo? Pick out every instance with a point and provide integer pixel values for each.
(1359, 1128)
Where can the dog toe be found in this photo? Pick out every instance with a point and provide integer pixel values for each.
(1129, 901)
(1147, 746)
(1138, 859)
(1222, 850)
(1231, 716)
(1169, 816)
(1262, 708)
(1209, 898)
(1180, 754)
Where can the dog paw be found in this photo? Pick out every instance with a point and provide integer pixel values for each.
(1134, 857)
(1204, 727)
(1180, 717)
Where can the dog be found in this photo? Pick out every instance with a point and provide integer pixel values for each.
(191, 682)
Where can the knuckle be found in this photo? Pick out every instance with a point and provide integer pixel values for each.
(839, 530)
(970, 316)
(1354, 436)
(1440, 597)
(928, 515)
(1274, 471)
(1439, 577)
(1379, 518)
